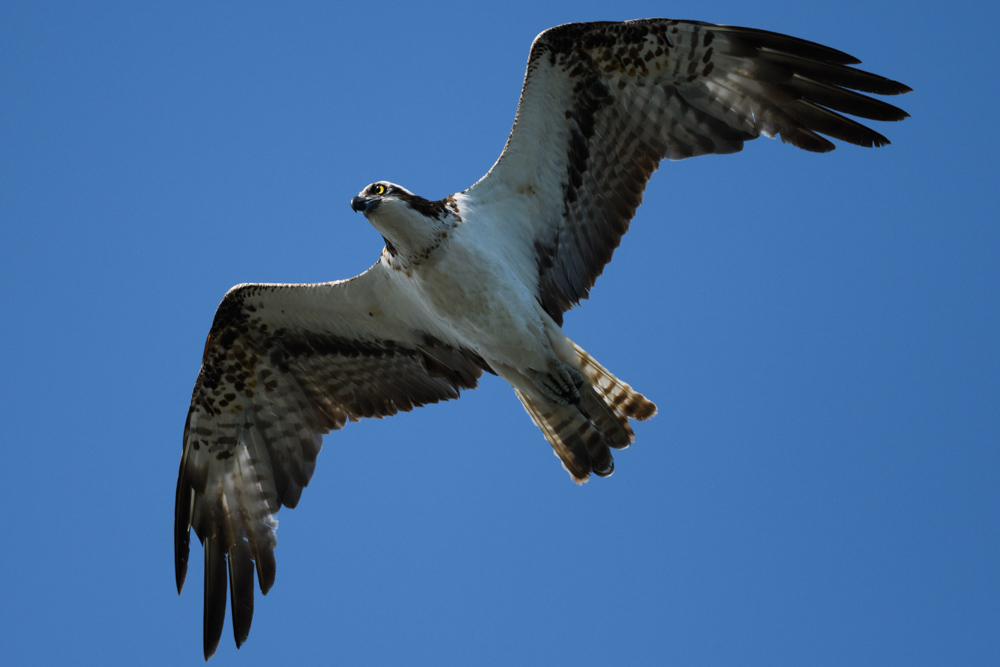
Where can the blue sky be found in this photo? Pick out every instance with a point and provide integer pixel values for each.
(820, 333)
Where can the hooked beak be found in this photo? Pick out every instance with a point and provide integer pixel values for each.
(363, 204)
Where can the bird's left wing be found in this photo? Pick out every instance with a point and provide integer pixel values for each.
(283, 365)
(603, 103)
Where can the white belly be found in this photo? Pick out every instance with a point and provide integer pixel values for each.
(484, 304)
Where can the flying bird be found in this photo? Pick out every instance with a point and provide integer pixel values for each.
(479, 281)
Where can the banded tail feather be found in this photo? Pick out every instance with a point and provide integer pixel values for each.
(580, 446)
(582, 435)
(616, 396)
(466, 283)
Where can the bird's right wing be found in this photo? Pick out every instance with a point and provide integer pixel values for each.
(283, 365)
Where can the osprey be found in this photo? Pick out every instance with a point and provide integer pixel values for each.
(479, 281)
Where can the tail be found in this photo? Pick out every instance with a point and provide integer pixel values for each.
(583, 434)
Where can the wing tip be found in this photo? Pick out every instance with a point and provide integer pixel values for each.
(182, 530)
(266, 570)
(180, 572)
(216, 590)
(898, 88)
(241, 589)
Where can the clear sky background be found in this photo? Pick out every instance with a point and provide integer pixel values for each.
(821, 334)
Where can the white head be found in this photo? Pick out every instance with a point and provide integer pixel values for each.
(411, 225)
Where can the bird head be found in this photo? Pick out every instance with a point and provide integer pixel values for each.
(410, 224)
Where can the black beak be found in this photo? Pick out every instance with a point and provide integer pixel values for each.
(359, 204)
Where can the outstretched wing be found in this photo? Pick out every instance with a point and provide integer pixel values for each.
(603, 103)
(283, 365)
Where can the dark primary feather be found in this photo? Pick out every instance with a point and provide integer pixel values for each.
(602, 105)
(275, 377)
(616, 98)
(215, 595)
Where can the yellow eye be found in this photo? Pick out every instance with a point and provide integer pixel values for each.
(380, 189)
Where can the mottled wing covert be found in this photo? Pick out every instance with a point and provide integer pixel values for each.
(603, 103)
(283, 365)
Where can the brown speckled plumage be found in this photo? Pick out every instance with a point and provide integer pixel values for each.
(640, 91)
(479, 281)
(298, 381)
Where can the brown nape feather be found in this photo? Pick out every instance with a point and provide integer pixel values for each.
(583, 435)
